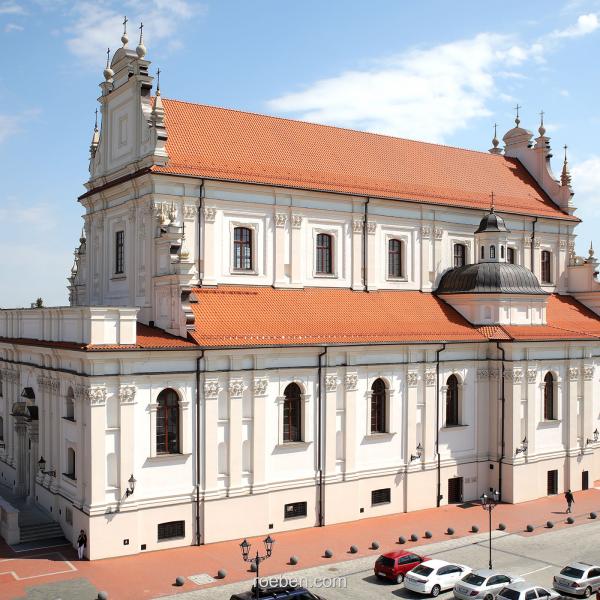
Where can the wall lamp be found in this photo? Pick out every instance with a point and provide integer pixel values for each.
(594, 439)
(131, 481)
(42, 466)
(419, 453)
(523, 447)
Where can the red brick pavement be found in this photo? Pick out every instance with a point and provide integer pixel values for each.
(152, 575)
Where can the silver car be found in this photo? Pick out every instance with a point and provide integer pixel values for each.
(524, 590)
(482, 583)
(580, 579)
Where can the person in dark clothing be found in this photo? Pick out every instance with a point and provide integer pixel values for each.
(81, 544)
(569, 498)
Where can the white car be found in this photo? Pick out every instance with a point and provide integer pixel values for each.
(434, 576)
(482, 583)
(524, 590)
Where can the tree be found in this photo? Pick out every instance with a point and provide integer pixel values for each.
(39, 303)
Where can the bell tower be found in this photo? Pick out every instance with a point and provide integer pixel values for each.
(492, 238)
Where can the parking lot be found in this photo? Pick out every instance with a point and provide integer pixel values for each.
(536, 557)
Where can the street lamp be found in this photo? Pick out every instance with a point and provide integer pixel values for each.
(589, 441)
(245, 546)
(42, 466)
(418, 454)
(131, 481)
(489, 503)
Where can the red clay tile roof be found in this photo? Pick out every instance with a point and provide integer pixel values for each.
(263, 316)
(493, 332)
(224, 144)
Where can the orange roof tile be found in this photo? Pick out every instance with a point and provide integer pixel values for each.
(493, 332)
(263, 316)
(231, 145)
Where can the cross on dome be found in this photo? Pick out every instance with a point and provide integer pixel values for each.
(124, 37)
(542, 129)
(517, 120)
(141, 49)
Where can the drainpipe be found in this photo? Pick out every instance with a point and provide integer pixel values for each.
(437, 423)
(200, 238)
(364, 252)
(198, 454)
(532, 263)
(319, 438)
(502, 399)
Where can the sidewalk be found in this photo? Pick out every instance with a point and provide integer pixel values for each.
(152, 575)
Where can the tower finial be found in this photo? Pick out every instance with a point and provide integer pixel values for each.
(494, 149)
(591, 250)
(565, 176)
(124, 37)
(158, 81)
(108, 72)
(95, 137)
(141, 49)
(96, 121)
(542, 129)
(517, 120)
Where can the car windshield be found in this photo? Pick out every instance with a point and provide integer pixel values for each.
(386, 561)
(473, 579)
(422, 570)
(572, 572)
(508, 593)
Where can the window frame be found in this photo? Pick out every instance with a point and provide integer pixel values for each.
(71, 473)
(120, 252)
(452, 389)
(456, 256)
(399, 262)
(242, 244)
(549, 397)
(297, 510)
(492, 251)
(378, 421)
(172, 527)
(329, 256)
(546, 267)
(292, 403)
(168, 411)
(386, 496)
(511, 252)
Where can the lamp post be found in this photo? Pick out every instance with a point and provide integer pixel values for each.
(489, 503)
(245, 546)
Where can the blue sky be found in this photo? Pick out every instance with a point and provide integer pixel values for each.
(432, 70)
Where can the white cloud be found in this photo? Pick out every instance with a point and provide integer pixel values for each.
(11, 8)
(98, 25)
(585, 25)
(424, 94)
(586, 184)
(9, 27)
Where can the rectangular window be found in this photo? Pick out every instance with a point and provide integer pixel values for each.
(546, 270)
(171, 530)
(460, 255)
(510, 255)
(119, 252)
(295, 509)
(382, 496)
(324, 258)
(552, 482)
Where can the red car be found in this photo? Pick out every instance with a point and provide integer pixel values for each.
(394, 565)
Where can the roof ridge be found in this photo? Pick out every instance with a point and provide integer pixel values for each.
(338, 127)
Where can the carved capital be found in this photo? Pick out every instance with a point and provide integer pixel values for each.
(562, 244)
(96, 396)
(190, 211)
(331, 383)
(357, 226)
(296, 221)
(531, 375)
(536, 243)
(210, 214)
(371, 227)
(430, 378)
(438, 232)
(588, 372)
(573, 373)
(412, 378)
(515, 375)
(211, 388)
(127, 394)
(236, 388)
(280, 220)
(260, 386)
(351, 382)
(425, 231)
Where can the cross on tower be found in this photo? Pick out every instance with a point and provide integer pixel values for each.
(125, 21)
(542, 116)
(141, 32)
(96, 122)
(158, 80)
(107, 57)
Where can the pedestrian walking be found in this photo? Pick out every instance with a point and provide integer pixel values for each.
(81, 544)
(569, 498)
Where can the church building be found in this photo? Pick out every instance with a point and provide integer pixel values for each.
(276, 325)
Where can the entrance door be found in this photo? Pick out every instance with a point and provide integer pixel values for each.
(552, 483)
(585, 482)
(455, 490)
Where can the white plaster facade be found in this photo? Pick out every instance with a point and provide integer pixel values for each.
(232, 459)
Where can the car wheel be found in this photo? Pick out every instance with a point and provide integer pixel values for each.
(435, 591)
(488, 597)
(399, 578)
(588, 592)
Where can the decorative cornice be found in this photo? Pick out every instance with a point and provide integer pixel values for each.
(211, 388)
(351, 382)
(296, 221)
(280, 219)
(331, 383)
(412, 378)
(127, 394)
(236, 388)
(260, 386)
(48, 384)
(210, 214)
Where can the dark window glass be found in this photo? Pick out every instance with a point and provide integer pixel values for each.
(386, 561)
(482, 252)
(473, 579)
(292, 414)
(492, 251)
(501, 251)
(378, 416)
(572, 572)
(382, 496)
(167, 423)
(295, 509)
(119, 252)
(510, 255)
(459, 255)
(549, 397)
(452, 401)
(1, 429)
(324, 254)
(395, 258)
(422, 570)
(546, 267)
(242, 249)
(170, 530)
(508, 593)
(530, 595)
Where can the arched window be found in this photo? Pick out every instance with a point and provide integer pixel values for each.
(70, 405)
(460, 254)
(452, 416)
(70, 463)
(482, 252)
(549, 397)
(395, 258)
(510, 255)
(292, 413)
(1, 429)
(492, 251)
(378, 412)
(324, 254)
(167, 422)
(546, 271)
(242, 249)
(501, 251)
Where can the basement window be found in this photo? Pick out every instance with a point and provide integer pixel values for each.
(295, 509)
(171, 530)
(383, 496)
